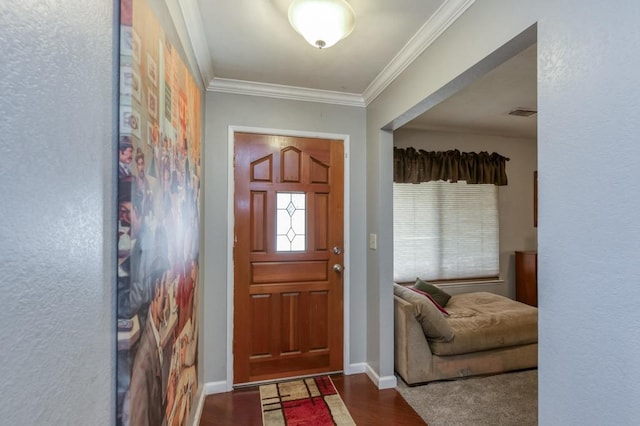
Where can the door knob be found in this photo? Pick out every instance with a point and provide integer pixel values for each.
(338, 267)
(336, 250)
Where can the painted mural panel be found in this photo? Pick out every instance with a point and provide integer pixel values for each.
(158, 225)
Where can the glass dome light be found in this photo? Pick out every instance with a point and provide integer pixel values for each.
(322, 23)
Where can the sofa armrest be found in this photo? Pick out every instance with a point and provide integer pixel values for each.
(413, 356)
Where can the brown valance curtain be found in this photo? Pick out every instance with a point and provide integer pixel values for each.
(411, 166)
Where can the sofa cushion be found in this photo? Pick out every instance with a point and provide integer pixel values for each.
(433, 323)
(482, 321)
(440, 296)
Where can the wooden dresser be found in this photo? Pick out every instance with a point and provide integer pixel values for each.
(527, 277)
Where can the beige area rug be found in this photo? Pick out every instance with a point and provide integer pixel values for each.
(507, 399)
(311, 402)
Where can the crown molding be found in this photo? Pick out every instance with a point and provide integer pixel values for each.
(195, 30)
(446, 14)
(253, 88)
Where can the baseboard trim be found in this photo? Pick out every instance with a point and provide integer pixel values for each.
(199, 407)
(221, 386)
(388, 382)
(356, 368)
(384, 382)
(216, 387)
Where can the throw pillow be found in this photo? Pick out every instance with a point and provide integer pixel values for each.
(433, 323)
(428, 296)
(440, 296)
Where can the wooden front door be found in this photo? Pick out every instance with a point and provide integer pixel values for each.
(288, 303)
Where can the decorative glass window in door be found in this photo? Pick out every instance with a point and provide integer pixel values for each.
(291, 223)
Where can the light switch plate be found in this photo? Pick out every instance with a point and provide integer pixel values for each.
(373, 241)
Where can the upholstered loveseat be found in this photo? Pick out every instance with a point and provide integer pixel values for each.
(483, 333)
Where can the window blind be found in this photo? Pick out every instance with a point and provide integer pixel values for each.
(445, 230)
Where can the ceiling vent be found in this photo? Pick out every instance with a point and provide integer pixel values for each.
(523, 112)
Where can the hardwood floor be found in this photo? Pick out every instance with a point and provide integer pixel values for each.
(367, 405)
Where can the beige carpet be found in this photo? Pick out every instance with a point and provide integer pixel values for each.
(507, 399)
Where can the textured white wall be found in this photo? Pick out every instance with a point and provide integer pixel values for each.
(515, 200)
(223, 110)
(57, 151)
(588, 231)
(589, 235)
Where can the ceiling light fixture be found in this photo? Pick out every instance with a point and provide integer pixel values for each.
(322, 23)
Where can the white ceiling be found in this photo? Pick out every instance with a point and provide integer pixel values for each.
(483, 107)
(248, 46)
(251, 40)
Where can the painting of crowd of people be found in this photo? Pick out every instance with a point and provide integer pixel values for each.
(158, 224)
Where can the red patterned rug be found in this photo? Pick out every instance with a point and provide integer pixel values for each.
(311, 402)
